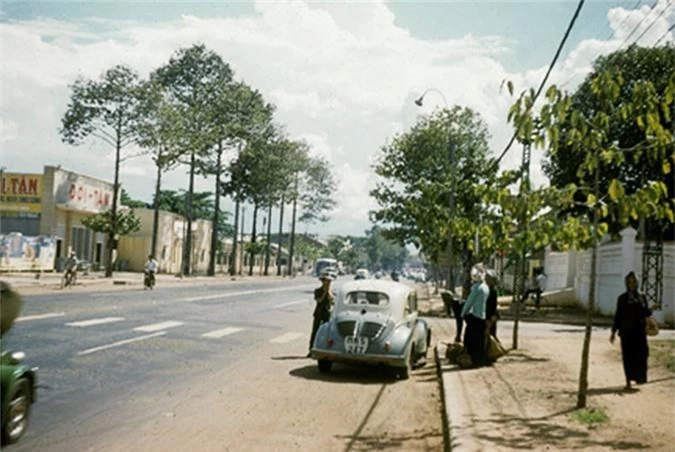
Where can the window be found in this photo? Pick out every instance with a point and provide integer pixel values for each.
(369, 298)
(203, 254)
(164, 252)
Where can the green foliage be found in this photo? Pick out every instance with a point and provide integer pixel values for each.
(317, 191)
(414, 185)
(107, 109)
(202, 208)
(125, 223)
(626, 101)
(131, 203)
(591, 416)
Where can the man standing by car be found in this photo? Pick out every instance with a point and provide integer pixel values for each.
(324, 302)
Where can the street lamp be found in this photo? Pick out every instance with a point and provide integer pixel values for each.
(451, 158)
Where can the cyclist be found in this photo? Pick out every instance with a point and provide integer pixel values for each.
(71, 268)
(150, 268)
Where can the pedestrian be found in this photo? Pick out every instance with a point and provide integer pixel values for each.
(473, 313)
(323, 296)
(491, 312)
(629, 320)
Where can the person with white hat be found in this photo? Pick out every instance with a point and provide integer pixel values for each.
(324, 302)
(474, 315)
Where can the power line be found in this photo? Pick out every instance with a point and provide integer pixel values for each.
(548, 72)
(664, 35)
(653, 22)
(612, 33)
(638, 24)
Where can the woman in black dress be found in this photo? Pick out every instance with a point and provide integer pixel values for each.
(629, 321)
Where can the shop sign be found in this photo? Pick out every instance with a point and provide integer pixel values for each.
(83, 193)
(21, 192)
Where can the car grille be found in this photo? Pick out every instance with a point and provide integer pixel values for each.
(371, 330)
(346, 328)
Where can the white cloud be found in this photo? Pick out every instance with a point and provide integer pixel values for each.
(343, 77)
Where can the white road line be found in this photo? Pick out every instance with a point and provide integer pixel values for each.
(216, 334)
(158, 326)
(237, 294)
(288, 337)
(290, 303)
(117, 344)
(40, 316)
(92, 322)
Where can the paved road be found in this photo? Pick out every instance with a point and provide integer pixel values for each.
(210, 367)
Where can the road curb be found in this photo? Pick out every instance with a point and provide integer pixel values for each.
(444, 408)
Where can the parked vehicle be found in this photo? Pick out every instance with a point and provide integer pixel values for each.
(17, 381)
(374, 322)
(149, 280)
(362, 273)
(322, 264)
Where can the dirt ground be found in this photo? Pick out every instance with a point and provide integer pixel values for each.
(527, 399)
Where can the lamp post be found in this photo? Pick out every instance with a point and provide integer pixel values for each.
(450, 285)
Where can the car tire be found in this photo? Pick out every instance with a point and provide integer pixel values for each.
(325, 366)
(18, 411)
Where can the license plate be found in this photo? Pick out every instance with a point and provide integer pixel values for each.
(356, 344)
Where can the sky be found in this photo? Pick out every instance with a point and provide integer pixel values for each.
(343, 76)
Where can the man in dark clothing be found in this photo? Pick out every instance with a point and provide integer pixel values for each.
(491, 312)
(629, 321)
(324, 302)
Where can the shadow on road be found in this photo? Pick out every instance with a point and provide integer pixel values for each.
(288, 358)
(343, 373)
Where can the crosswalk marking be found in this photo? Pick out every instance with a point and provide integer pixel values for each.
(158, 326)
(290, 303)
(117, 344)
(288, 337)
(222, 333)
(40, 316)
(92, 322)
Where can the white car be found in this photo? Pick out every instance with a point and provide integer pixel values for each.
(374, 322)
(362, 273)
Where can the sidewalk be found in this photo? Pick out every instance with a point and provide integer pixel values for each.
(526, 400)
(51, 281)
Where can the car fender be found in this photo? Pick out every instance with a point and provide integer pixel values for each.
(10, 375)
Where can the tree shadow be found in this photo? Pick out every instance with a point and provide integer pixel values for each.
(543, 433)
(515, 356)
(389, 442)
(621, 390)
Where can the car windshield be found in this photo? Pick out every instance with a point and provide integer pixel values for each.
(365, 297)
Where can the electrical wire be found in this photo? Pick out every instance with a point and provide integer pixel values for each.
(653, 22)
(664, 35)
(635, 28)
(548, 73)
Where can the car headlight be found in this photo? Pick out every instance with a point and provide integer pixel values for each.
(17, 357)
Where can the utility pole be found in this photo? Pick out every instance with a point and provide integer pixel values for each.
(451, 158)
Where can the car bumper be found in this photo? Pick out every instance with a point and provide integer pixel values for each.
(367, 358)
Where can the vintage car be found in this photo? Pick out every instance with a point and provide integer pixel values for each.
(374, 322)
(362, 273)
(17, 380)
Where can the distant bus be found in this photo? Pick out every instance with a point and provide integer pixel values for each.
(323, 263)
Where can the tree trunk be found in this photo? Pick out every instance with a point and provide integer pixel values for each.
(292, 239)
(216, 210)
(155, 214)
(251, 257)
(269, 239)
(233, 257)
(187, 251)
(111, 244)
(518, 292)
(281, 227)
(243, 221)
(583, 373)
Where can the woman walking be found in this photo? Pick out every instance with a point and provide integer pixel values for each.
(629, 321)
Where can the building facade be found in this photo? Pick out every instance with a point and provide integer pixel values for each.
(54, 204)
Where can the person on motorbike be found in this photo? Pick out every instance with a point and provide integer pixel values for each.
(150, 267)
(70, 267)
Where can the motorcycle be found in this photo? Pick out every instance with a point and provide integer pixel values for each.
(149, 280)
(18, 381)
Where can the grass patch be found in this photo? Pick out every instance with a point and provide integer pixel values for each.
(663, 353)
(590, 416)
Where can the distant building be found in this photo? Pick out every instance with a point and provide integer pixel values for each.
(54, 204)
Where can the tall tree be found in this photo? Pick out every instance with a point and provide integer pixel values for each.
(561, 127)
(106, 109)
(654, 64)
(193, 79)
(414, 189)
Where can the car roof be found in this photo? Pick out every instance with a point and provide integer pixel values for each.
(396, 291)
